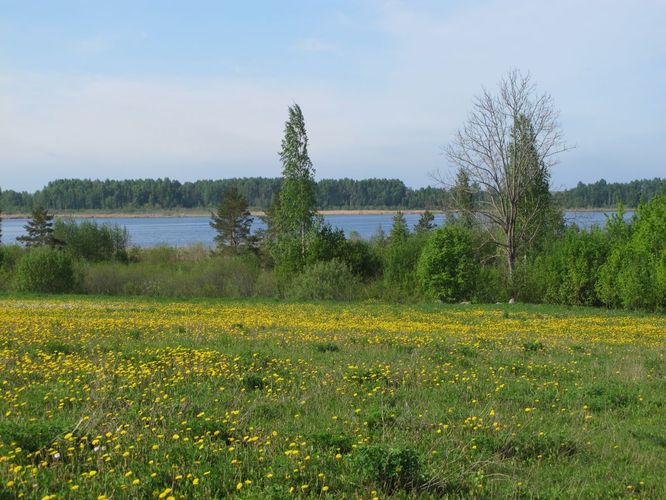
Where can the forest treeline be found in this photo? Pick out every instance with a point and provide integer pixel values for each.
(141, 194)
(147, 194)
(602, 194)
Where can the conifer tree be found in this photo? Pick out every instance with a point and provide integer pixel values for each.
(399, 229)
(232, 221)
(536, 214)
(463, 196)
(426, 222)
(39, 229)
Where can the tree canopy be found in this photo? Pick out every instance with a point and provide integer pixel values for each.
(232, 221)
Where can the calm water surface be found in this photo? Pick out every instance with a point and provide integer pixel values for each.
(183, 231)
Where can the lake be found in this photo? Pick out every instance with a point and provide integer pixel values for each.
(183, 231)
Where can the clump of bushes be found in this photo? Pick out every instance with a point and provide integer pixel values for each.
(45, 270)
(216, 276)
(91, 241)
(571, 269)
(634, 276)
(448, 266)
(393, 469)
(622, 265)
(324, 280)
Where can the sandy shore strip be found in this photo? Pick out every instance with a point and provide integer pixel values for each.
(69, 214)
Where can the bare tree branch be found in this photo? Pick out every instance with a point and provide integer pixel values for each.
(490, 154)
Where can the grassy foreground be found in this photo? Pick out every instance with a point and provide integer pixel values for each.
(108, 398)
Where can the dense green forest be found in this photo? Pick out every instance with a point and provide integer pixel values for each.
(602, 194)
(146, 194)
(77, 194)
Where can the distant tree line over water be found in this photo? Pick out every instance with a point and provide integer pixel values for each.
(602, 194)
(141, 194)
(147, 194)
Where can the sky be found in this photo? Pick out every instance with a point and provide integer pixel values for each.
(200, 89)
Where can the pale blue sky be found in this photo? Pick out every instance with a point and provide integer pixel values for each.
(200, 89)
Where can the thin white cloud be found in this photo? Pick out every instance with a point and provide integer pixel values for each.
(99, 127)
(92, 46)
(315, 45)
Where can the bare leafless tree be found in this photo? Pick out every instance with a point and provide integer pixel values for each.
(490, 155)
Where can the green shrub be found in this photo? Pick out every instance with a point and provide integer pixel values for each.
(528, 281)
(325, 243)
(158, 254)
(219, 276)
(361, 258)
(447, 269)
(634, 275)
(331, 280)
(45, 270)
(490, 285)
(393, 469)
(10, 255)
(571, 269)
(401, 258)
(117, 279)
(91, 241)
(266, 284)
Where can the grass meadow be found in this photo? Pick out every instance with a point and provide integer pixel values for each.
(146, 398)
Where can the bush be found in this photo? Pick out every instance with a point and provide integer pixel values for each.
(393, 469)
(400, 261)
(571, 269)
(91, 241)
(634, 275)
(118, 279)
(225, 276)
(9, 259)
(45, 270)
(361, 259)
(325, 243)
(490, 286)
(331, 280)
(448, 268)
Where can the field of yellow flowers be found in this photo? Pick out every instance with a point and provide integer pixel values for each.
(138, 398)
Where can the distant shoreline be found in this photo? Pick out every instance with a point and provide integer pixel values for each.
(87, 214)
(192, 213)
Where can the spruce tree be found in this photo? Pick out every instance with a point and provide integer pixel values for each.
(399, 229)
(464, 199)
(39, 229)
(426, 222)
(232, 221)
(536, 215)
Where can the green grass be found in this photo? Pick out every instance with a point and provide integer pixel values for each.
(362, 414)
